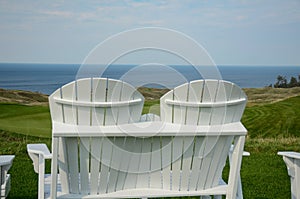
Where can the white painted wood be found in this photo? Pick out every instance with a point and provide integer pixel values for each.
(38, 153)
(72, 153)
(63, 165)
(209, 144)
(116, 162)
(54, 169)
(114, 89)
(83, 92)
(145, 165)
(235, 166)
(68, 92)
(166, 161)
(179, 112)
(188, 148)
(84, 149)
(197, 162)
(98, 96)
(209, 95)
(218, 162)
(106, 154)
(155, 169)
(134, 159)
(5, 164)
(194, 97)
(166, 110)
(292, 161)
(96, 145)
(103, 151)
(177, 150)
(165, 129)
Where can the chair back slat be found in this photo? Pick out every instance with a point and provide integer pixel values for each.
(187, 159)
(145, 164)
(194, 95)
(126, 159)
(155, 168)
(96, 146)
(84, 165)
(177, 148)
(69, 113)
(98, 95)
(197, 162)
(83, 93)
(72, 152)
(166, 153)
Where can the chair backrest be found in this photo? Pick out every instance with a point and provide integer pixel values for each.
(203, 102)
(102, 164)
(96, 102)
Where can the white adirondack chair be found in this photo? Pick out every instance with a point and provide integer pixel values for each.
(91, 102)
(292, 161)
(206, 102)
(5, 164)
(100, 150)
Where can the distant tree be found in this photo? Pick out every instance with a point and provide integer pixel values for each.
(281, 82)
(293, 82)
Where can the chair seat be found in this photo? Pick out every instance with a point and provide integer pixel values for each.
(136, 193)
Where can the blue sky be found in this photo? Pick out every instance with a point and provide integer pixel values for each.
(244, 32)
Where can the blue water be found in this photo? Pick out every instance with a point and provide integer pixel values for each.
(46, 78)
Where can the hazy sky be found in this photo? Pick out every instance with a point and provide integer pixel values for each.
(244, 32)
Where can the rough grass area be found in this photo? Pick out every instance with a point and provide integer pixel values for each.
(23, 97)
(260, 96)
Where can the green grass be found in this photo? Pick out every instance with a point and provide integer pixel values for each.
(27, 120)
(272, 128)
(280, 119)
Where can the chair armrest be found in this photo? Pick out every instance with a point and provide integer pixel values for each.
(149, 117)
(5, 164)
(6, 160)
(289, 154)
(38, 153)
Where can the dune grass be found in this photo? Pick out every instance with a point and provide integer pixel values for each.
(272, 127)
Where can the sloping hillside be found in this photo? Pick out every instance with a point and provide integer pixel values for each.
(23, 97)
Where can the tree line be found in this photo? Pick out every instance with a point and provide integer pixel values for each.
(282, 82)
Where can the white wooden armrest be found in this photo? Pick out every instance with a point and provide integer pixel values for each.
(5, 164)
(292, 161)
(6, 160)
(290, 154)
(39, 153)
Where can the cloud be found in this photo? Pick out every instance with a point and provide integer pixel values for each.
(57, 13)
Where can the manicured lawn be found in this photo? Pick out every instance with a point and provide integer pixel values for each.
(27, 120)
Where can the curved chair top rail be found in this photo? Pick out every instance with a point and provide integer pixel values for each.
(96, 101)
(97, 104)
(204, 102)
